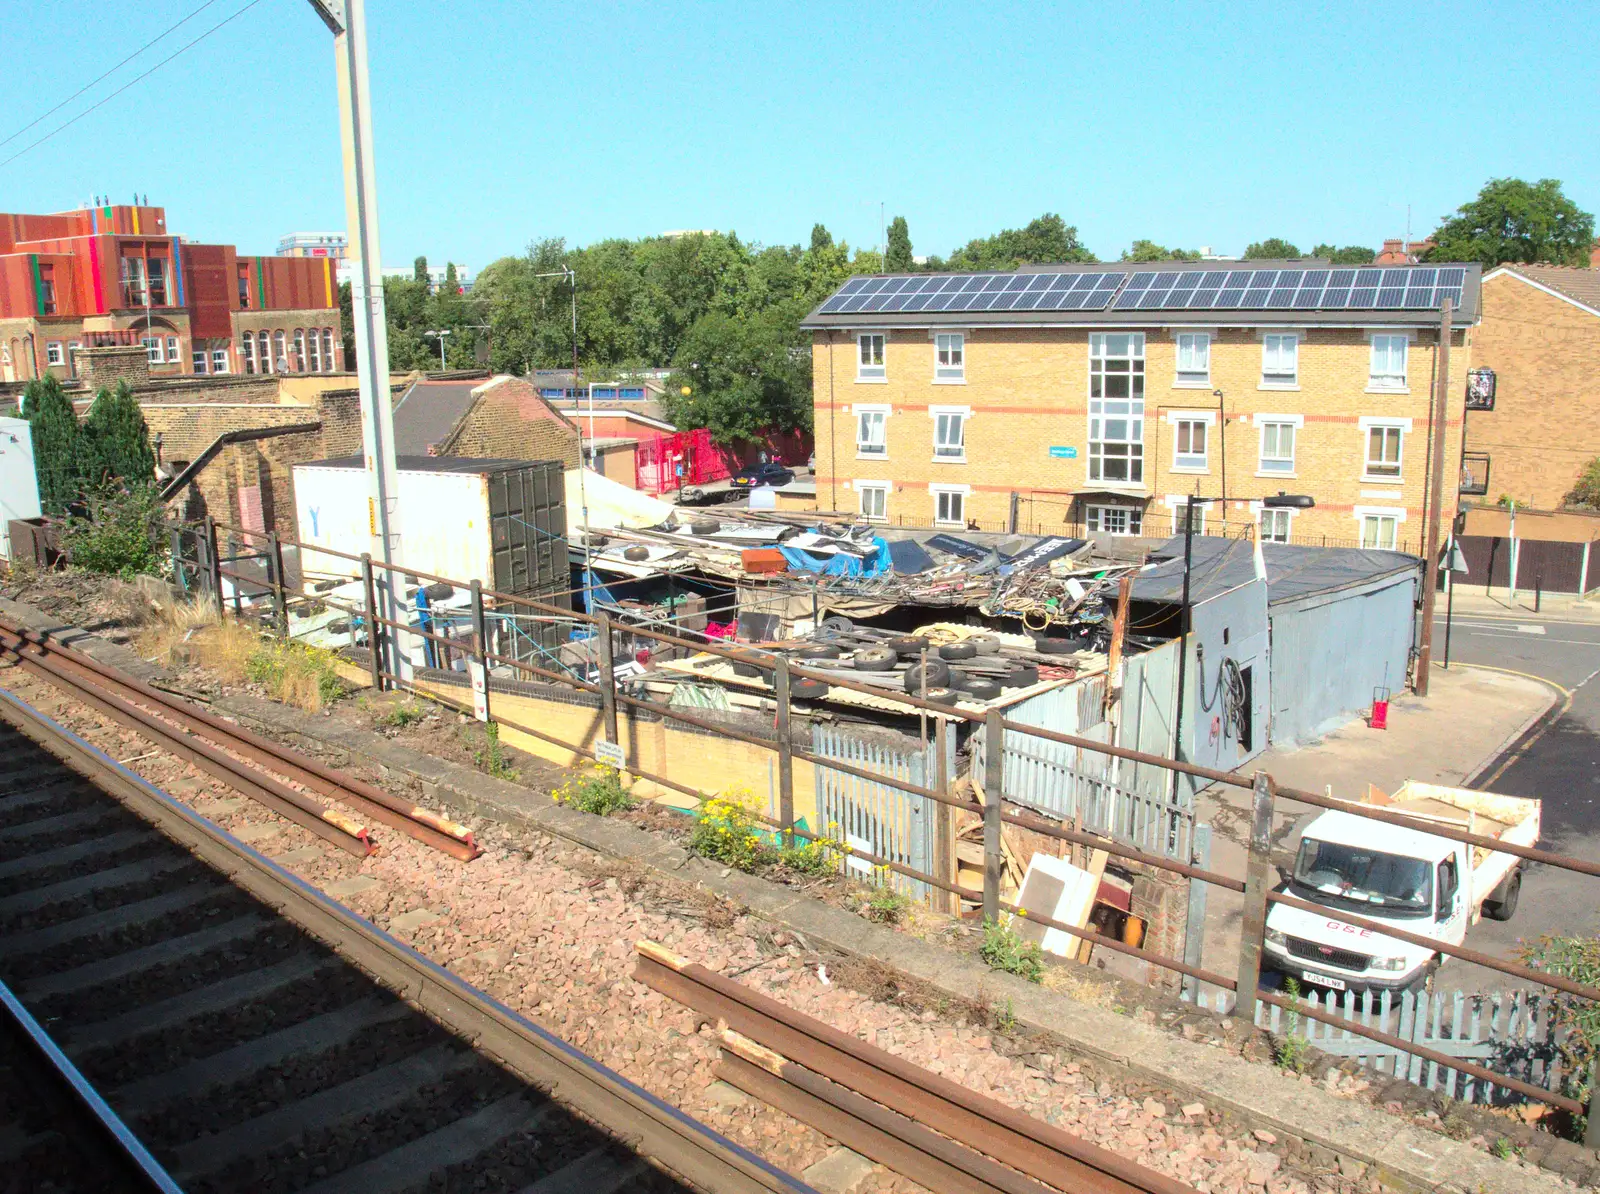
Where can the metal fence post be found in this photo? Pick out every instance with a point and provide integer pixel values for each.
(993, 777)
(480, 639)
(1194, 936)
(214, 565)
(374, 631)
(1258, 866)
(608, 679)
(280, 598)
(780, 686)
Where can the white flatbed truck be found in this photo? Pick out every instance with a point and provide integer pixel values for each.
(1425, 884)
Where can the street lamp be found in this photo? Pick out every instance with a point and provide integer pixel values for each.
(439, 336)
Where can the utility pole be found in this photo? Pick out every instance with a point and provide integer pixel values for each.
(347, 20)
(1430, 552)
(439, 336)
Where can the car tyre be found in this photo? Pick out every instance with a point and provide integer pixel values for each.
(986, 644)
(1053, 646)
(819, 651)
(636, 552)
(944, 696)
(806, 689)
(980, 688)
(1502, 902)
(911, 646)
(958, 651)
(875, 659)
(704, 526)
(938, 676)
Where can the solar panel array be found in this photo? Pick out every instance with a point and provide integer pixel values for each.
(1082, 291)
(1358, 289)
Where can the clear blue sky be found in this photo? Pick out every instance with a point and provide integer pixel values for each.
(499, 122)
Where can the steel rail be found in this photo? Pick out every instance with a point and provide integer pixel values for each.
(648, 1125)
(373, 802)
(1002, 1133)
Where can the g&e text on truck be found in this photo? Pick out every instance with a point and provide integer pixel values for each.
(1424, 884)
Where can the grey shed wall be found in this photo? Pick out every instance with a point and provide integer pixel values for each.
(1330, 650)
(1231, 625)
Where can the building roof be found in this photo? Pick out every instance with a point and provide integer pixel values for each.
(1576, 284)
(1123, 294)
(427, 411)
(434, 464)
(1218, 565)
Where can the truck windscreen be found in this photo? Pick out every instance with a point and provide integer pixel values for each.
(1363, 879)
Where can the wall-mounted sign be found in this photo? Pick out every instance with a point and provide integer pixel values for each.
(1480, 389)
(1061, 453)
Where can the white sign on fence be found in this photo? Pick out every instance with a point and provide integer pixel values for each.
(610, 754)
(480, 689)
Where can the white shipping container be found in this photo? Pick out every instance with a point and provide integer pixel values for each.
(19, 484)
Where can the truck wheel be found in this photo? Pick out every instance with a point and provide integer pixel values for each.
(1503, 903)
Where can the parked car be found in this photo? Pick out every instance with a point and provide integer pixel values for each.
(771, 473)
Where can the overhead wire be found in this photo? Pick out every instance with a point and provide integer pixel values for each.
(137, 78)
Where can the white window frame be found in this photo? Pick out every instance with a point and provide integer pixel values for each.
(1197, 347)
(1401, 428)
(1266, 514)
(247, 352)
(1104, 408)
(882, 489)
(1273, 374)
(950, 358)
(872, 373)
(1379, 514)
(1190, 462)
(327, 350)
(197, 360)
(54, 353)
(942, 492)
(1178, 502)
(74, 347)
(940, 416)
(1131, 519)
(172, 350)
(1388, 381)
(1297, 422)
(864, 447)
(152, 349)
(219, 360)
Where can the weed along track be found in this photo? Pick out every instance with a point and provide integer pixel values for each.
(255, 1035)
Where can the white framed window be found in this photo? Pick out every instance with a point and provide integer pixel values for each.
(1275, 525)
(197, 359)
(949, 506)
(950, 432)
(1178, 505)
(1194, 359)
(172, 350)
(327, 350)
(54, 353)
(152, 348)
(280, 355)
(1280, 359)
(264, 350)
(1189, 444)
(1113, 520)
(219, 360)
(869, 356)
(1116, 407)
(247, 352)
(314, 344)
(949, 356)
(73, 348)
(1383, 443)
(874, 498)
(1388, 369)
(1380, 526)
(872, 430)
(1278, 435)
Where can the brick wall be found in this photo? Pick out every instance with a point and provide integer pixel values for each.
(1545, 425)
(509, 419)
(105, 367)
(1027, 389)
(340, 412)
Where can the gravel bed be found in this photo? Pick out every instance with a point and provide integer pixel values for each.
(523, 1159)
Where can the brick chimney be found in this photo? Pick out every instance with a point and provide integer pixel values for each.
(105, 367)
(1393, 253)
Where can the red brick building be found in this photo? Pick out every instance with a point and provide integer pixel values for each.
(106, 276)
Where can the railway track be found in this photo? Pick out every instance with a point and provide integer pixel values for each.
(254, 1035)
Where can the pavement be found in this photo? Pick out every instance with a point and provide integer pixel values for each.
(1472, 601)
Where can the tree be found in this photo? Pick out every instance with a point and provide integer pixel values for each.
(116, 442)
(1274, 248)
(53, 426)
(1349, 255)
(821, 238)
(898, 257)
(347, 326)
(1514, 220)
(419, 270)
(1148, 250)
(452, 287)
(1586, 493)
(1048, 239)
(746, 377)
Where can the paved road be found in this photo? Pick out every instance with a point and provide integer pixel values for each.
(1559, 762)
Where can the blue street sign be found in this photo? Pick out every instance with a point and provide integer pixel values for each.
(1061, 453)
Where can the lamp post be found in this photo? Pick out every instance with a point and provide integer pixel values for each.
(1278, 501)
(439, 336)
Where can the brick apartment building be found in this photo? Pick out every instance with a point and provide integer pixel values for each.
(1540, 336)
(114, 276)
(1092, 399)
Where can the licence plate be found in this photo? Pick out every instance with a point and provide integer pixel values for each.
(1311, 976)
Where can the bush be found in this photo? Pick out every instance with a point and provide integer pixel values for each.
(813, 858)
(407, 713)
(1586, 493)
(1003, 949)
(295, 674)
(887, 906)
(1577, 958)
(600, 792)
(725, 832)
(117, 533)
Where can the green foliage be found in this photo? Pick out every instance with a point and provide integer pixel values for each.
(295, 673)
(1048, 239)
(115, 530)
(1003, 949)
(725, 832)
(1292, 1051)
(491, 758)
(745, 375)
(888, 906)
(1148, 250)
(1586, 493)
(813, 858)
(115, 441)
(452, 284)
(1274, 248)
(1576, 1019)
(57, 443)
(1005, 1017)
(1514, 220)
(898, 255)
(821, 238)
(1349, 255)
(408, 713)
(347, 326)
(419, 270)
(1504, 1149)
(599, 792)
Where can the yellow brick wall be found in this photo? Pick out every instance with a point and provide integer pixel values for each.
(1545, 425)
(1028, 391)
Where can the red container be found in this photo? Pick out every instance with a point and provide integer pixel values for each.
(1380, 715)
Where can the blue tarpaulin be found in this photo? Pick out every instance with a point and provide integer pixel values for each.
(841, 563)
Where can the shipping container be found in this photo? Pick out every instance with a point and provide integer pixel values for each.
(19, 487)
